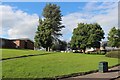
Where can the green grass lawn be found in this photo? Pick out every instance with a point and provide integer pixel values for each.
(6, 53)
(52, 65)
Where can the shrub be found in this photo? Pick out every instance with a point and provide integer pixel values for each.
(113, 54)
(97, 53)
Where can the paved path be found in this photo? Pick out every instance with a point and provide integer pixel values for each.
(110, 75)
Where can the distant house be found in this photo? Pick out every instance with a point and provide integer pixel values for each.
(90, 49)
(103, 45)
(16, 43)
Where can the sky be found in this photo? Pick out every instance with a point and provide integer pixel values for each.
(20, 19)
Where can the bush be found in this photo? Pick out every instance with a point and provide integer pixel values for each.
(97, 53)
(113, 54)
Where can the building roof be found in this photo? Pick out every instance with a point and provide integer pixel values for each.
(18, 39)
(3, 39)
(23, 39)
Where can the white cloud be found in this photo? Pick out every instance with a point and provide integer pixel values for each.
(17, 23)
(102, 6)
(71, 20)
(106, 20)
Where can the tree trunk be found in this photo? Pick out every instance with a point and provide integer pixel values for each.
(84, 50)
(48, 49)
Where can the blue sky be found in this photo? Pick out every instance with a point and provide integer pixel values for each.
(20, 19)
(37, 7)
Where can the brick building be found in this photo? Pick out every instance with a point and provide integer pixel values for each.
(16, 43)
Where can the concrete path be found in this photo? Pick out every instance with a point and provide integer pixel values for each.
(110, 75)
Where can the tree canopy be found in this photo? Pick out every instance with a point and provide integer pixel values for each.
(59, 46)
(49, 28)
(114, 37)
(87, 35)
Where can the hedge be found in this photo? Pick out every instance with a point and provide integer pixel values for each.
(113, 54)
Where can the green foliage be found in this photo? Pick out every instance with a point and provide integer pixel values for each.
(59, 46)
(96, 34)
(97, 53)
(51, 65)
(114, 37)
(113, 54)
(44, 34)
(49, 29)
(104, 44)
(87, 35)
(53, 13)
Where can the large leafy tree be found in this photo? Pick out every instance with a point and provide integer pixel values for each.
(96, 34)
(49, 28)
(80, 36)
(87, 35)
(114, 37)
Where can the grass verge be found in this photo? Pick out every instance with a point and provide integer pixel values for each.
(53, 65)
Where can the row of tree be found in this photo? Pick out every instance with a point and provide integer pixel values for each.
(85, 35)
